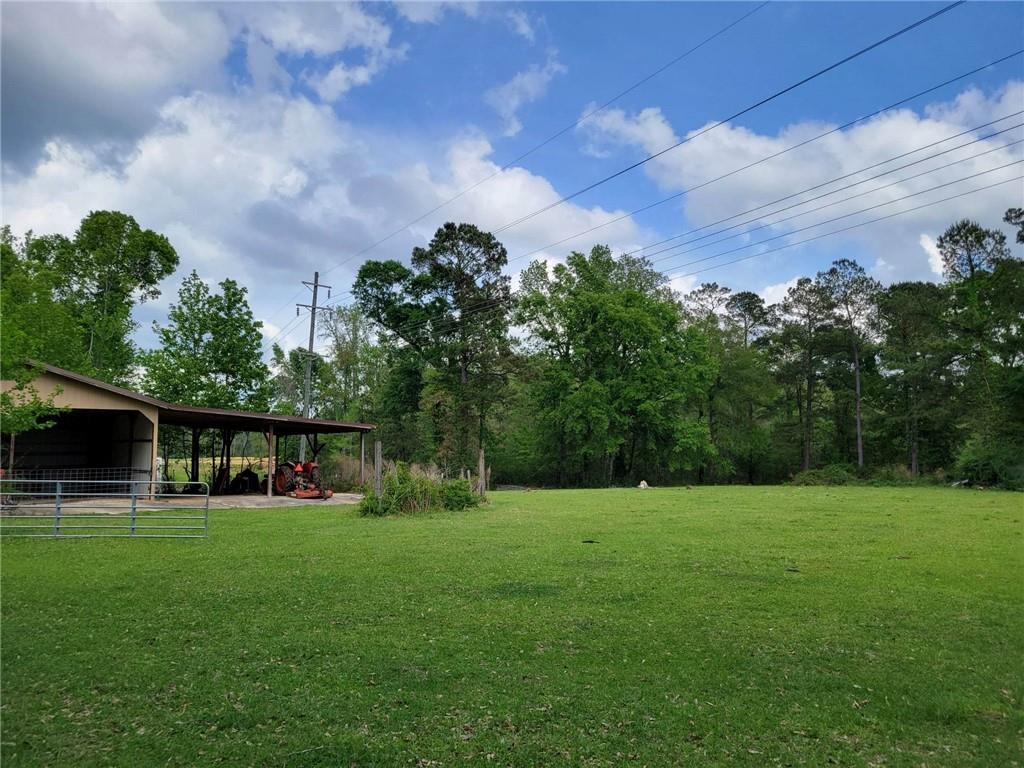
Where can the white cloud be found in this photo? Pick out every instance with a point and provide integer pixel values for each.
(118, 63)
(896, 241)
(266, 187)
(99, 71)
(524, 88)
(934, 257)
(775, 293)
(319, 29)
(427, 12)
(342, 77)
(261, 61)
(682, 284)
(521, 24)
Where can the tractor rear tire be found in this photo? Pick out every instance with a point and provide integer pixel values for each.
(284, 479)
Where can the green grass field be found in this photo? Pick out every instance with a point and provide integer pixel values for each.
(713, 626)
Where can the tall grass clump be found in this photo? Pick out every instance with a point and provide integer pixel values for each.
(404, 492)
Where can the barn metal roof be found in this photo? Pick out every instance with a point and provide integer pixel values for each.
(174, 414)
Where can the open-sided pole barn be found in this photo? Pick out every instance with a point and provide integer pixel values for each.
(112, 433)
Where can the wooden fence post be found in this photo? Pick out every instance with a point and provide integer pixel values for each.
(362, 458)
(377, 466)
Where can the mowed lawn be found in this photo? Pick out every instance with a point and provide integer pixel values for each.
(712, 626)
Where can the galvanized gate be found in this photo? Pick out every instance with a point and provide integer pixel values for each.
(136, 509)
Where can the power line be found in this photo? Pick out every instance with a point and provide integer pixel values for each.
(853, 213)
(828, 194)
(485, 303)
(552, 137)
(732, 117)
(829, 234)
(781, 152)
(847, 229)
(774, 155)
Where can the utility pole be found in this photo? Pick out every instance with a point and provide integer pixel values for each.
(315, 285)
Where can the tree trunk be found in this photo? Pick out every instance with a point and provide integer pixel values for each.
(914, 468)
(561, 457)
(808, 421)
(750, 450)
(860, 428)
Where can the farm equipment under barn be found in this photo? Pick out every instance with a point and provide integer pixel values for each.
(300, 481)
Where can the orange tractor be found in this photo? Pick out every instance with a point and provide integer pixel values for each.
(300, 481)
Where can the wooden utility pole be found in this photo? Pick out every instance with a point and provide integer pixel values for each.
(482, 470)
(315, 286)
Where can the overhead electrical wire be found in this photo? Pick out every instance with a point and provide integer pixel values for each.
(498, 304)
(472, 308)
(740, 113)
(552, 137)
(852, 213)
(828, 234)
(779, 153)
(772, 97)
(847, 229)
(750, 108)
(774, 155)
(830, 193)
(536, 147)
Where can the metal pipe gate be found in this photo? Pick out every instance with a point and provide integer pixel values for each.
(131, 509)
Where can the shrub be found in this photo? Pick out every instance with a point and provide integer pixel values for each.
(458, 494)
(833, 474)
(404, 492)
(991, 463)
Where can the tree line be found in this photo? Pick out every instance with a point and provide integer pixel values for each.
(589, 373)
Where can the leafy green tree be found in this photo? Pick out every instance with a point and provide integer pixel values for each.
(1015, 218)
(34, 326)
(355, 366)
(984, 321)
(620, 373)
(967, 248)
(108, 267)
(916, 353)
(451, 306)
(210, 355)
(804, 323)
(210, 350)
(851, 293)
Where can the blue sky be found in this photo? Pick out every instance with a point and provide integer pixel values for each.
(271, 140)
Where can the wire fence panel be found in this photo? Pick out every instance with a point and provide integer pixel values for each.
(99, 477)
(135, 509)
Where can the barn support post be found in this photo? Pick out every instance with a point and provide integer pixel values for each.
(194, 473)
(154, 452)
(377, 466)
(362, 458)
(270, 461)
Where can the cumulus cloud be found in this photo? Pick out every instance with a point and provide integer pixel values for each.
(521, 24)
(427, 12)
(270, 186)
(319, 29)
(524, 88)
(776, 292)
(934, 257)
(119, 63)
(343, 77)
(893, 248)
